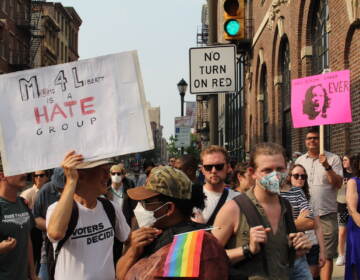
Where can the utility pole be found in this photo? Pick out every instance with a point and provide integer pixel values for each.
(213, 99)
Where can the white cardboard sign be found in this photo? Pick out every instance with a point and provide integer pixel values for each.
(95, 107)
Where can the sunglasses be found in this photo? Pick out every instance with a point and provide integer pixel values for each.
(299, 176)
(312, 138)
(39, 175)
(218, 167)
(117, 173)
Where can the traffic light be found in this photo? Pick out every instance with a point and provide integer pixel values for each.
(234, 20)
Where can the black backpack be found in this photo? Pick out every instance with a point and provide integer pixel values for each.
(53, 256)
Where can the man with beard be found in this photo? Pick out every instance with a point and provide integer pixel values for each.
(16, 222)
(88, 251)
(215, 166)
(263, 251)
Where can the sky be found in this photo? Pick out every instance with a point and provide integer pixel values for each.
(162, 31)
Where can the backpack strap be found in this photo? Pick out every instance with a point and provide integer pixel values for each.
(290, 227)
(220, 203)
(109, 210)
(253, 219)
(71, 227)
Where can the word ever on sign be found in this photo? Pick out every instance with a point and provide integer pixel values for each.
(213, 69)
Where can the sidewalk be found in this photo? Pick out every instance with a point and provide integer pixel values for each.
(339, 272)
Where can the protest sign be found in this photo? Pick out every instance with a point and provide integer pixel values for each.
(321, 99)
(95, 107)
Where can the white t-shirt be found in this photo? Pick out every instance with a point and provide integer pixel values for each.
(88, 253)
(212, 199)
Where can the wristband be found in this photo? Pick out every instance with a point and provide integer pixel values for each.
(328, 168)
(246, 251)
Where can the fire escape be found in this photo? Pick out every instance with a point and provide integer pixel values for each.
(36, 32)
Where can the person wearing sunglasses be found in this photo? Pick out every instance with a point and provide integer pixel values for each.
(215, 167)
(117, 191)
(325, 177)
(296, 191)
(39, 178)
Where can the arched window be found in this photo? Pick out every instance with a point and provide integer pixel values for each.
(320, 37)
(320, 44)
(265, 109)
(285, 95)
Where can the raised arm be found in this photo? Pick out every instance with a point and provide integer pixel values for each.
(61, 214)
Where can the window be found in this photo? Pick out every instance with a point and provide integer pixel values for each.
(320, 44)
(285, 95)
(265, 104)
(320, 38)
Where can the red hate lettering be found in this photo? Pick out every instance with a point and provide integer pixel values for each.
(38, 115)
(70, 104)
(84, 107)
(56, 111)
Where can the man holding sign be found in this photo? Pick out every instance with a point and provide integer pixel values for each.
(87, 250)
(324, 178)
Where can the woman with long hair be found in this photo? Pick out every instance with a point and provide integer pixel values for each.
(352, 262)
(297, 192)
(343, 214)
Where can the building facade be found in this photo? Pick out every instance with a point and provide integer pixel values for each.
(289, 40)
(56, 33)
(15, 35)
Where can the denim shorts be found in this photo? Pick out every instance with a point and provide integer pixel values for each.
(300, 270)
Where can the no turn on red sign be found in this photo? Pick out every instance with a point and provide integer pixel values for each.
(213, 69)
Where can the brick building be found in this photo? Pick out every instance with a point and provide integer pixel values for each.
(15, 35)
(289, 40)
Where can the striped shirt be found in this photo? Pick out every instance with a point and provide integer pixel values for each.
(297, 199)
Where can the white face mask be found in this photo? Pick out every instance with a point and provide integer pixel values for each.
(116, 178)
(146, 218)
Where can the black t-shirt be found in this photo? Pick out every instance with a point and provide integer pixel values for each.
(17, 222)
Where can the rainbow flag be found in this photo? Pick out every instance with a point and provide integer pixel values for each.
(183, 259)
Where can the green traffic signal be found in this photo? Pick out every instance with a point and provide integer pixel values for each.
(232, 27)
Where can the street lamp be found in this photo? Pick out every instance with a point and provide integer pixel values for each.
(182, 87)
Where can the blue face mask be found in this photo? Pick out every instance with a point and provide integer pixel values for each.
(273, 181)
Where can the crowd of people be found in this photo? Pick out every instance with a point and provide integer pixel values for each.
(268, 218)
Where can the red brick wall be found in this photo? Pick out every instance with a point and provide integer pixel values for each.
(344, 53)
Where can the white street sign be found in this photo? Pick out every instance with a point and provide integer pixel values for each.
(213, 69)
(182, 137)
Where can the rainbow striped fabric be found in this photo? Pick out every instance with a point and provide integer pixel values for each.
(183, 259)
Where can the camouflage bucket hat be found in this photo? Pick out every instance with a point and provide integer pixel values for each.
(164, 180)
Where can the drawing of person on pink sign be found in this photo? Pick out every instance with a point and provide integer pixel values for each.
(316, 102)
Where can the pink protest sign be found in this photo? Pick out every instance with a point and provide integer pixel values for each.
(321, 99)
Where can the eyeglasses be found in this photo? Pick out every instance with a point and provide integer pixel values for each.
(299, 176)
(39, 175)
(117, 173)
(218, 167)
(312, 138)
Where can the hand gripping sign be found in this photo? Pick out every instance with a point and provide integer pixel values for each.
(94, 106)
(321, 99)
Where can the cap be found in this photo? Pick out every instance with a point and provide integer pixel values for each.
(91, 164)
(164, 180)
